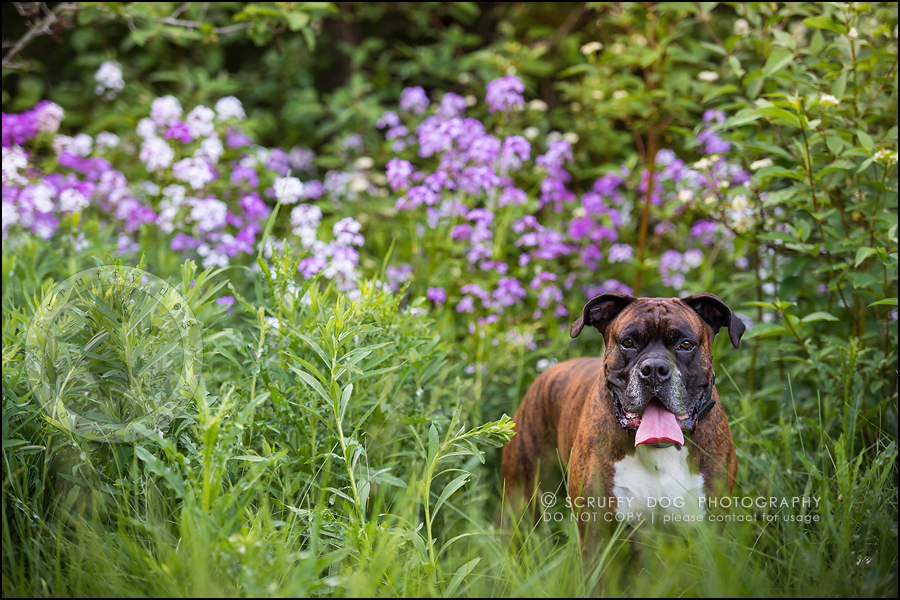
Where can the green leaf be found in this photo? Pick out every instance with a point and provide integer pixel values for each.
(820, 315)
(311, 382)
(765, 330)
(864, 253)
(780, 58)
(865, 139)
(885, 302)
(824, 22)
(448, 491)
(460, 574)
(432, 443)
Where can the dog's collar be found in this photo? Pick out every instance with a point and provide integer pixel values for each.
(707, 403)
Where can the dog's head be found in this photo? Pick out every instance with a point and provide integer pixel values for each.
(658, 360)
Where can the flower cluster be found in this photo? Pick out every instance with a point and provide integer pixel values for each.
(184, 193)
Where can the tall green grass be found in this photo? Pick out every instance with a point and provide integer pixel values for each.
(330, 450)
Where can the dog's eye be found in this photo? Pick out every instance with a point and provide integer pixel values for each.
(627, 343)
(686, 345)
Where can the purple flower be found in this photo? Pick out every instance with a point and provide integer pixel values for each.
(311, 265)
(481, 215)
(279, 161)
(541, 278)
(591, 257)
(235, 138)
(466, 305)
(580, 228)
(474, 180)
(183, 242)
(452, 105)
(179, 130)
(396, 132)
(558, 153)
(398, 173)
(602, 232)
(512, 195)
(664, 157)
(704, 230)
(504, 93)
(606, 185)
(225, 300)
(714, 115)
(620, 253)
(461, 232)
(414, 99)
(436, 295)
(484, 149)
(416, 195)
(388, 119)
(508, 292)
(516, 150)
(247, 174)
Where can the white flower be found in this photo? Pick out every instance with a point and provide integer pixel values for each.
(72, 200)
(708, 76)
(852, 34)
(571, 137)
(208, 213)
(308, 215)
(165, 109)
(10, 215)
(82, 144)
(288, 189)
(829, 100)
(531, 132)
(597, 95)
(210, 149)
(200, 121)
(146, 128)
(50, 116)
(471, 100)
(195, 171)
(703, 164)
(885, 157)
(740, 202)
(364, 163)
(230, 107)
(617, 48)
(760, 164)
(14, 161)
(109, 77)
(741, 27)
(174, 193)
(686, 195)
(591, 48)
(156, 154)
(619, 94)
(798, 30)
(41, 195)
(693, 258)
(538, 105)
(106, 140)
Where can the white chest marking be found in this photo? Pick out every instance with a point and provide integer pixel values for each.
(657, 480)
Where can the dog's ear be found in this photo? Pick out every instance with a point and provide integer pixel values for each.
(600, 311)
(717, 314)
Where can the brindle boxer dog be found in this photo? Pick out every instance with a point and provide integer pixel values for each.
(639, 430)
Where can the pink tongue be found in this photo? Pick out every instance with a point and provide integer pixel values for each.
(658, 426)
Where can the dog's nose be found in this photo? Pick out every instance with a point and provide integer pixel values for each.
(655, 370)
